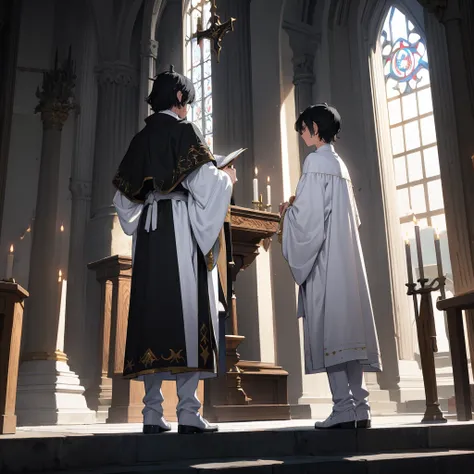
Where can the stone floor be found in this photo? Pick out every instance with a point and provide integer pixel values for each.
(394, 444)
(96, 429)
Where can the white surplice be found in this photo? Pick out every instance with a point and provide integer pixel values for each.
(321, 243)
(198, 218)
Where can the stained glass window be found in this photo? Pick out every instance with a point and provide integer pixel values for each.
(198, 68)
(413, 134)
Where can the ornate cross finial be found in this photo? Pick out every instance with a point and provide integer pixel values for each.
(216, 30)
(56, 97)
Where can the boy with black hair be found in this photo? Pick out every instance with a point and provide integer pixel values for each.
(173, 200)
(320, 241)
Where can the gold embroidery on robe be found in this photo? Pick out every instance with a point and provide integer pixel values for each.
(148, 358)
(174, 356)
(129, 365)
(204, 343)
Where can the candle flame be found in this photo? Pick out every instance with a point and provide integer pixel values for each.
(436, 233)
(256, 171)
(60, 275)
(415, 220)
(11, 248)
(268, 180)
(62, 228)
(407, 239)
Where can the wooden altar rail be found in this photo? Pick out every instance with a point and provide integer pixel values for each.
(454, 308)
(12, 296)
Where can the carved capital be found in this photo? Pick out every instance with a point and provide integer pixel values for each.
(303, 69)
(304, 44)
(81, 190)
(56, 96)
(117, 73)
(438, 7)
(150, 48)
(54, 115)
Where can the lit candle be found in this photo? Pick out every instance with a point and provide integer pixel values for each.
(409, 264)
(418, 249)
(269, 193)
(255, 186)
(10, 258)
(439, 262)
(60, 276)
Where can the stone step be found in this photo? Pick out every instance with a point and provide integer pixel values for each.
(412, 462)
(48, 452)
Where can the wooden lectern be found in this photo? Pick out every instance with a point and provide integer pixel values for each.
(12, 296)
(250, 390)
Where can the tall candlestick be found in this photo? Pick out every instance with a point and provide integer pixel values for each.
(409, 264)
(255, 186)
(269, 193)
(418, 249)
(439, 263)
(10, 258)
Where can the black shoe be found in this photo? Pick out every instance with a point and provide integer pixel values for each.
(184, 429)
(348, 425)
(155, 429)
(364, 424)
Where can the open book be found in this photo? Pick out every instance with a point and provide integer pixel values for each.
(223, 161)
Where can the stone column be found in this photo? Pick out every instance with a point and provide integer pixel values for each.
(304, 44)
(117, 113)
(76, 339)
(149, 51)
(116, 125)
(233, 128)
(456, 168)
(232, 96)
(10, 15)
(169, 34)
(48, 392)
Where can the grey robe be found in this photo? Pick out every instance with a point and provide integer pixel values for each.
(321, 244)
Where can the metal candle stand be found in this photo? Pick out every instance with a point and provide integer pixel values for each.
(426, 330)
(259, 206)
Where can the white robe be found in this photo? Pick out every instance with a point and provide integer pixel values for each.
(320, 241)
(198, 218)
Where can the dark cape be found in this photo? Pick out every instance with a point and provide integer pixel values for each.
(159, 158)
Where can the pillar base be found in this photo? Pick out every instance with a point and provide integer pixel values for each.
(49, 393)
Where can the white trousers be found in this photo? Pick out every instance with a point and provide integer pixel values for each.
(346, 382)
(188, 405)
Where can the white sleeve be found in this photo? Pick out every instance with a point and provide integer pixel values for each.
(303, 226)
(128, 212)
(210, 191)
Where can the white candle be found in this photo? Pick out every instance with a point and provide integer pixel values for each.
(255, 186)
(408, 257)
(418, 249)
(269, 193)
(10, 258)
(439, 261)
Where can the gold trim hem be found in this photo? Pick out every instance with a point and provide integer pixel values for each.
(172, 370)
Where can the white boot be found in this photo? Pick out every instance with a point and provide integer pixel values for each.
(355, 375)
(153, 420)
(189, 419)
(343, 414)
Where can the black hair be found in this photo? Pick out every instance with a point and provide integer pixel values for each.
(327, 119)
(165, 87)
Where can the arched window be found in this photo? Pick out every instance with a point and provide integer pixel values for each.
(413, 135)
(198, 67)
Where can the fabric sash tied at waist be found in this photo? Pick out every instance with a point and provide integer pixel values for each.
(151, 222)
